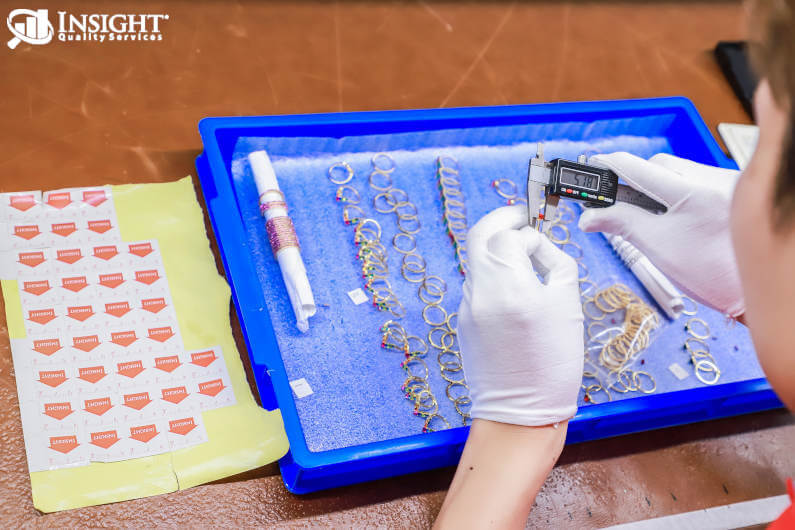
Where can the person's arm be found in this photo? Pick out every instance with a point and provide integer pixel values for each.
(520, 332)
(501, 470)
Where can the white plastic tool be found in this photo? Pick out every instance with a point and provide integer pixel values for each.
(659, 287)
(282, 237)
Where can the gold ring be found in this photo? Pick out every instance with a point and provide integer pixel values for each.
(386, 177)
(431, 322)
(348, 173)
(390, 162)
(694, 306)
(689, 325)
(505, 188)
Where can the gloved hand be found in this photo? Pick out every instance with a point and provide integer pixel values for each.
(691, 242)
(521, 340)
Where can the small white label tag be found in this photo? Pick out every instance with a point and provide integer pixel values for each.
(678, 371)
(358, 296)
(740, 140)
(301, 388)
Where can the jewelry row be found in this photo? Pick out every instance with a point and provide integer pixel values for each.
(454, 210)
(431, 289)
(704, 365)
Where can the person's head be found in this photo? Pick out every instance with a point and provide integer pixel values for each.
(763, 210)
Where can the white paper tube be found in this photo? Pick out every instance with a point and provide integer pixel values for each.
(659, 287)
(272, 206)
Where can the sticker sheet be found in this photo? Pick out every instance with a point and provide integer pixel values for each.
(75, 216)
(102, 373)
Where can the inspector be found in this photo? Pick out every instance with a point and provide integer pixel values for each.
(727, 239)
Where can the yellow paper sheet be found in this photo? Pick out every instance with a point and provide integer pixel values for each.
(241, 437)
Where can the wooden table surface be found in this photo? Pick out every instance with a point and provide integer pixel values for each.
(87, 113)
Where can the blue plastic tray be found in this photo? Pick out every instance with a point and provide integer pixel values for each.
(305, 470)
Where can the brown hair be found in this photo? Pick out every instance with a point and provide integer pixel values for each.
(772, 24)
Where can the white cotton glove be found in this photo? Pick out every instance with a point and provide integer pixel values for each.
(690, 243)
(521, 340)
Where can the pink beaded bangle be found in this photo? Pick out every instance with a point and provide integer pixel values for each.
(265, 206)
(281, 233)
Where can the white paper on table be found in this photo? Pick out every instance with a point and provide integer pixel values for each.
(102, 374)
(66, 447)
(213, 389)
(44, 226)
(95, 285)
(140, 256)
(145, 438)
(20, 206)
(740, 140)
(186, 430)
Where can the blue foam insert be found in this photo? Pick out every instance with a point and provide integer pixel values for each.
(356, 384)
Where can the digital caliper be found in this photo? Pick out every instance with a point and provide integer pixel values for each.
(594, 186)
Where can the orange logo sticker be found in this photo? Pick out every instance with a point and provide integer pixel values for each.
(123, 338)
(112, 280)
(153, 305)
(41, 316)
(183, 426)
(58, 411)
(94, 197)
(137, 401)
(69, 255)
(203, 358)
(86, 343)
(37, 288)
(23, 202)
(63, 444)
(144, 433)
(31, 259)
(27, 232)
(52, 378)
(64, 229)
(131, 368)
(80, 312)
(140, 249)
(211, 388)
(147, 277)
(98, 406)
(174, 395)
(167, 364)
(100, 227)
(104, 439)
(47, 346)
(59, 200)
(161, 334)
(105, 252)
(117, 309)
(74, 283)
(92, 374)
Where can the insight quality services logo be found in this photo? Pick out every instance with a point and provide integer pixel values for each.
(29, 26)
(33, 26)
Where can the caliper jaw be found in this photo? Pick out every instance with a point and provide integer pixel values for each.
(540, 206)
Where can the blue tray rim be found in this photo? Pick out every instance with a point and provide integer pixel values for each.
(208, 126)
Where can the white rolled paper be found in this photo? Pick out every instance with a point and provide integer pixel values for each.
(274, 209)
(659, 287)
